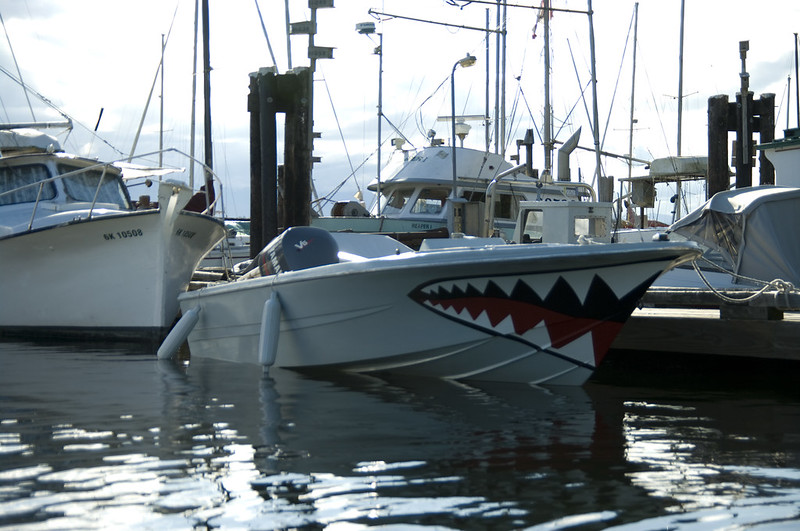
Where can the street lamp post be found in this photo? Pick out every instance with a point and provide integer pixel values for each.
(467, 61)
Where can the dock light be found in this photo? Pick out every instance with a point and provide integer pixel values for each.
(467, 61)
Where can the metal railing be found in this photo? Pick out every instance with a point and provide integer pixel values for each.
(147, 172)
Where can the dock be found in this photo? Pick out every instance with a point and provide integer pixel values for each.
(698, 321)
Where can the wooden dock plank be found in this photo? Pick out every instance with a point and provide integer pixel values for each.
(702, 331)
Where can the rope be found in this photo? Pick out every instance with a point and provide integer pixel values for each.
(775, 284)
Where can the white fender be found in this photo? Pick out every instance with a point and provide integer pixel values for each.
(179, 333)
(270, 330)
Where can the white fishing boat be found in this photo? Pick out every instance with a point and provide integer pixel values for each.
(78, 259)
(478, 309)
(416, 196)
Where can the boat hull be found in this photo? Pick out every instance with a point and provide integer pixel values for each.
(521, 313)
(113, 277)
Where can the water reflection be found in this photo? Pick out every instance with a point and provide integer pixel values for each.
(711, 459)
(98, 438)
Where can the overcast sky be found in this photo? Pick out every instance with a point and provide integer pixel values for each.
(88, 55)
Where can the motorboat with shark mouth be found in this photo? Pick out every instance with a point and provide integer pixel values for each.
(477, 310)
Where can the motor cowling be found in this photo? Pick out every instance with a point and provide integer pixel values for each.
(294, 249)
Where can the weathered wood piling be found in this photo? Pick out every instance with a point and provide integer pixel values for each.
(280, 195)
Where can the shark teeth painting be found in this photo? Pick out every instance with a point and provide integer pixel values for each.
(547, 311)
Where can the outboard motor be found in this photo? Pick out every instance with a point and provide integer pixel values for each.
(296, 248)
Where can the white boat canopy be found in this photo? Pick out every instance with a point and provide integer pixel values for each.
(678, 168)
(753, 229)
(24, 140)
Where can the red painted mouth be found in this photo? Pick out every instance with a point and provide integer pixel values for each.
(517, 311)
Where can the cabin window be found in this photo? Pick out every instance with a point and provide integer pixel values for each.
(534, 228)
(430, 201)
(397, 200)
(505, 206)
(83, 186)
(15, 177)
(590, 226)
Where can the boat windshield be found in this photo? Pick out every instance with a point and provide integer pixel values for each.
(14, 178)
(83, 186)
(591, 226)
(397, 200)
(533, 230)
(430, 201)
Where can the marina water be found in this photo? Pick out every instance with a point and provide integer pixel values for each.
(95, 437)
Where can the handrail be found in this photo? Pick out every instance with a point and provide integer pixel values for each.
(97, 191)
(35, 205)
(105, 166)
(488, 208)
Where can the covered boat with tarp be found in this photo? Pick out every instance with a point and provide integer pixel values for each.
(750, 232)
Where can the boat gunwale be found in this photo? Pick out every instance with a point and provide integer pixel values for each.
(679, 252)
(100, 216)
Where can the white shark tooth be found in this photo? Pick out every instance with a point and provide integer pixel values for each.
(506, 326)
(507, 284)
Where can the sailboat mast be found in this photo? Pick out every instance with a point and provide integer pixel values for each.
(680, 81)
(161, 114)
(548, 109)
(676, 215)
(497, 82)
(193, 121)
(503, 80)
(288, 35)
(487, 111)
(595, 115)
(796, 82)
(633, 87)
(207, 106)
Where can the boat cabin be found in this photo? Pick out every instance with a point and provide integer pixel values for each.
(783, 154)
(39, 182)
(416, 196)
(564, 222)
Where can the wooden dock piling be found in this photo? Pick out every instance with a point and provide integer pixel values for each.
(272, 94)
(725, 117)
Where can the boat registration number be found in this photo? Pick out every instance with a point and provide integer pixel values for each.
(123, 234)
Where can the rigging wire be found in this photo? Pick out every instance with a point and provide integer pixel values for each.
(418, 110)
(341, 133)
(657, 109)
(266, 36)
(530, 114)
(511, 128)
(16, 65)
(152, 88)
(616, 84)
(53, 106)
(592, 125)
